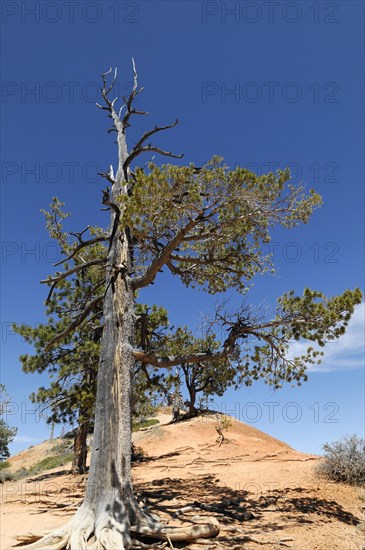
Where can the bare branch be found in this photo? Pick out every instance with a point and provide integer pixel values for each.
(113, 82)
(129, 101)
(102, 107)
(108, 175)
(156, 129)
(79, 234)
(135, 76)
(106, 91)
(135, 112)
(135, 153)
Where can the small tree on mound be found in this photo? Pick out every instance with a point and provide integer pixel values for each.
(206, 226)
(208, 378)
(7, 433)
(344, 461)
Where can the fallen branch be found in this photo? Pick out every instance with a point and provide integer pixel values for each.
(202, 530)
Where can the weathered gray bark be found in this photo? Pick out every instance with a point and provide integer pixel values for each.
(109, 495)
(109, 505)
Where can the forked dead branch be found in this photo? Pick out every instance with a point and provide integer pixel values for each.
(206, 226)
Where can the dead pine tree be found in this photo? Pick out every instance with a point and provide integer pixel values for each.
(206, 226)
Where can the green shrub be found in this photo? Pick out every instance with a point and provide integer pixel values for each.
(44, 464)
(62, 448)
(144, 424)
(6, 476)
(4, 464)
(344, 461)
(49, 463)
(19, 474)
(226, 422)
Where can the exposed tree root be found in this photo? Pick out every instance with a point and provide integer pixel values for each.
(82, 527)
(105, 524)
(57, 540)
(190, 532)
(113, 535)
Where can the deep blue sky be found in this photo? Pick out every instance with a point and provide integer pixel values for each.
(262, 85)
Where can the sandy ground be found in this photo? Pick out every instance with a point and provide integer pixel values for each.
(263, 493)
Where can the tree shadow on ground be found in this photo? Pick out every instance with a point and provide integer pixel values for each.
(43, 477)
(309, 505)
(145, 458)
(256, 514)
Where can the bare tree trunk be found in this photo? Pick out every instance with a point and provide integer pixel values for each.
(109, 503)
(80, 449)
(110, 509)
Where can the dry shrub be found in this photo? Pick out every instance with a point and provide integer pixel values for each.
(344, 461)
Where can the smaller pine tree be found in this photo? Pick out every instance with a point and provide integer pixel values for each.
(7, 433)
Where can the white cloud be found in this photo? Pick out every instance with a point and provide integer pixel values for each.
(347, 353)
